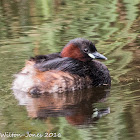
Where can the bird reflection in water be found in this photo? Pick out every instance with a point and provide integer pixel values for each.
(77, 107)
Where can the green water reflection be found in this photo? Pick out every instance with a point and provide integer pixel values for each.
(29, 28)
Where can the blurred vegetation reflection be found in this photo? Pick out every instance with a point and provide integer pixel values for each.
(29, 28)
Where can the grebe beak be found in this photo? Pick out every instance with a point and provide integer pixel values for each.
(97, 55)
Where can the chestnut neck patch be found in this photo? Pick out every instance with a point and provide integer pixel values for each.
(72, 51)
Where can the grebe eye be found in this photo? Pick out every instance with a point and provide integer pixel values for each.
(85, 50)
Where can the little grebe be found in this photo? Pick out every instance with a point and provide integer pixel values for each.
(72, 69)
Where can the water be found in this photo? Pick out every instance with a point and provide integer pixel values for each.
(29, 28)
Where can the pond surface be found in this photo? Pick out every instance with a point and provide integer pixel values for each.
(29, 28)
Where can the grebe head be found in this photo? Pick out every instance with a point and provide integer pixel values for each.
(81, 49)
